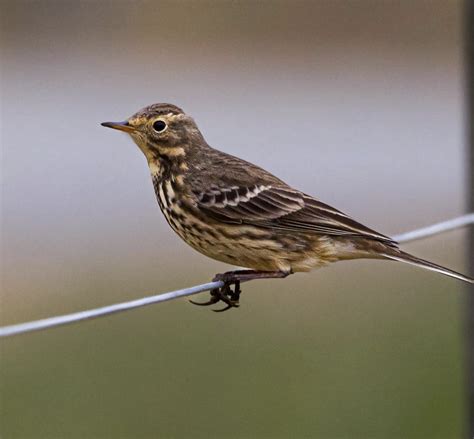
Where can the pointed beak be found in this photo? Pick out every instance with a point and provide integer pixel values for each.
(122, 126)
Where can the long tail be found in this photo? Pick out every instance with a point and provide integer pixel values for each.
(399, 255)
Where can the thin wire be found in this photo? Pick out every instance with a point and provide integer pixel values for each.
(444, 226)
(6, 331)
(51, 322)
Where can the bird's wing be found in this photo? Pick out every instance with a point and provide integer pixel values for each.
(280, 208)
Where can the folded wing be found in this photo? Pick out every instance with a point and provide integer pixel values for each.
(280, 208)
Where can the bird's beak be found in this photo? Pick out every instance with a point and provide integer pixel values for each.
(122, 126)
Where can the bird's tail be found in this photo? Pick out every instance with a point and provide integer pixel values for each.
(399, 255)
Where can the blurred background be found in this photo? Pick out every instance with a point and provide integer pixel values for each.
(357, 102)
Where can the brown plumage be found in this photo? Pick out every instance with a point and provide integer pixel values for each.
(236, 212)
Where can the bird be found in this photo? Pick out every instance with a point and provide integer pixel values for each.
(238, 213)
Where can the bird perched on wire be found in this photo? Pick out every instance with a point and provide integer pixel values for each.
(238, 213)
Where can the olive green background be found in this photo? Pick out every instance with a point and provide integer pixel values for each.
(357, 102)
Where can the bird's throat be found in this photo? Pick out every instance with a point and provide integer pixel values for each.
(165, 168)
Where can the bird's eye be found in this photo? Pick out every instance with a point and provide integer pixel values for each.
(159, 126)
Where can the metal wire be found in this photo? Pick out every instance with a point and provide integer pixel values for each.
(51, 322)
(434, 229)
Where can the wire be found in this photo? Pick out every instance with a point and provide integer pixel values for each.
(444, 226)
(51, 322)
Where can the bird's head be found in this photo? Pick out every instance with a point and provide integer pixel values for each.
(161, 130)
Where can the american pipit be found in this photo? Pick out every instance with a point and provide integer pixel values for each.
(236, 212)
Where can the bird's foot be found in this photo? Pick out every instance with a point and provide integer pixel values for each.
(225, 294)
(228, 295)
(231, 297)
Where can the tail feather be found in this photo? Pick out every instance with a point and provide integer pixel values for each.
(401, 256)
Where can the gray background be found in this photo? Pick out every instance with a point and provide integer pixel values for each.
(357, 102)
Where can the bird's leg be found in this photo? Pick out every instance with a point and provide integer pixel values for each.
(245, 275)
(231, 297)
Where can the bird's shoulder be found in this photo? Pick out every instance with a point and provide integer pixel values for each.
(213, 168)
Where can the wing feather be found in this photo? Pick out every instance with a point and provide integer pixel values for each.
(280, 208)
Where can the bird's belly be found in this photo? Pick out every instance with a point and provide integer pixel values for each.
(248, 246)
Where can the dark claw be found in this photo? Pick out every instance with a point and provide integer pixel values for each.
(215, 297)
(235, 295)
(209, 302)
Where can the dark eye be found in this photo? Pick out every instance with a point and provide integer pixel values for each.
(159, 126)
